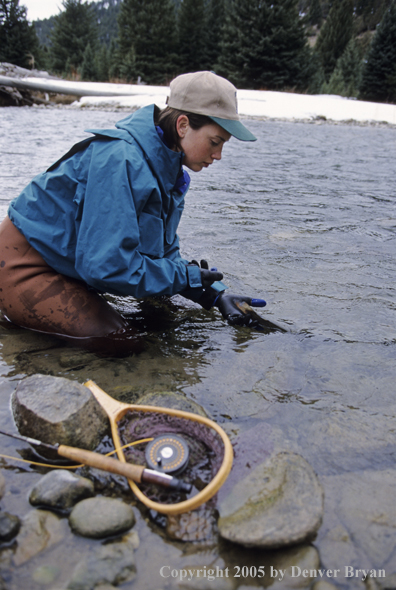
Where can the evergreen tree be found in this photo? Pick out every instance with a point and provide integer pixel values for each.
(315, 15)
(102, 64)
(345, 79)
(88, 68)
(264, 45)
(74, 30)
(214, 22)
(106, 13)
(379, 71)
(18, 40)
(192, 36)
(370, 13)
(147, 40)
(335, 35)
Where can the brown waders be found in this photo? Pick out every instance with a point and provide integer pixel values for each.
(33, 295)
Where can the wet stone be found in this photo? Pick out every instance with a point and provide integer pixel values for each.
(61, 490)
(110, 564)
(168, 399)
(40, 530)
(323, 585)
(2, 485)
(58, 410)
(101, 517)
(292, 562)
(9, 526)
(45, 574)
(279, 504)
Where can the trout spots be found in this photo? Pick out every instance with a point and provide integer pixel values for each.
(2, 264)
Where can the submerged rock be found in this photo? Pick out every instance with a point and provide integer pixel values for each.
(2, 485)
(58, 410)
(9, 526)
(109, 564)
(280, 503)
(40, 529)
(169, 399)
(61, 490)
(101, 517)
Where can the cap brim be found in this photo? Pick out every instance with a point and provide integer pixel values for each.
(235, 128)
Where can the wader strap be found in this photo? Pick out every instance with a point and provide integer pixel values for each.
(78, 147)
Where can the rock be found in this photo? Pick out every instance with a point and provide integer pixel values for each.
(45, 574)
(57, 410)
(168, 399)
(292, 562)
(101, 517)
(61, 490)
(389, 583)
(323, 585)
(196, 581)
(109, 564)
(280, 503)
(360, 520)
(40, 529)
(9, 526)
(2, 485)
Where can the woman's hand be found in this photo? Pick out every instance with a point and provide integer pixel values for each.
(231, 308)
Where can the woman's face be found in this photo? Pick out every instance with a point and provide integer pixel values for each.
(201, 147)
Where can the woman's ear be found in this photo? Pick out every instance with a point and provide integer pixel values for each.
(182, 125)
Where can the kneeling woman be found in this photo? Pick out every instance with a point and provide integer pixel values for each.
(103, 219)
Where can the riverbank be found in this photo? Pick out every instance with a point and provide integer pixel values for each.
(257, 104)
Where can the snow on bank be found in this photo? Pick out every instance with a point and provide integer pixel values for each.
(263, 104)
(252, 103)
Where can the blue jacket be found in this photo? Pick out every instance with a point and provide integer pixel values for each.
(108, 215)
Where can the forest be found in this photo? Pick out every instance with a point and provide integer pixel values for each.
(343, 47)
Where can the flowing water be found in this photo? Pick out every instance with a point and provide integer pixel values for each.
(305, 218)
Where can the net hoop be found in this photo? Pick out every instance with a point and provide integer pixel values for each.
(115, 410)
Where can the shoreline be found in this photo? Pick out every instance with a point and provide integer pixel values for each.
(314, 120)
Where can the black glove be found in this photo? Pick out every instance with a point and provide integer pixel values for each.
(207, 276)
(228, 305)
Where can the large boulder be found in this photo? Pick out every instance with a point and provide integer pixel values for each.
(57, 410)
(279, 504)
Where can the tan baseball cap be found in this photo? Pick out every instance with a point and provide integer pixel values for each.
(205, 93)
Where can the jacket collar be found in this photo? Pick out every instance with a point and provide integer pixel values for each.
(164, 162)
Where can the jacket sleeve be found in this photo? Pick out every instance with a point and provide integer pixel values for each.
(120, 244)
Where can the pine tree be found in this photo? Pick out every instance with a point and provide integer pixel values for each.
(102, 64)
(335, 35)
(214, 21)
(379, 72)
(191, 36)
(147, 40)
(88, 68)
(74, 30)
(315, 15)
(264, 45)
(18, 40)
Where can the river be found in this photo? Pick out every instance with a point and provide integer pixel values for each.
(305, 218)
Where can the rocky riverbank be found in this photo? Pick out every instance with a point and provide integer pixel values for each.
(278, 505)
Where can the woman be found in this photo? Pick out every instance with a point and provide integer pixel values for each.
(103, 219)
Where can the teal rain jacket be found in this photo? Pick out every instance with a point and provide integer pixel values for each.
(108, 214)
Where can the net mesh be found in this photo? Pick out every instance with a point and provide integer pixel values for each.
(206, 449)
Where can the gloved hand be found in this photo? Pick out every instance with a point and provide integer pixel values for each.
(227, 304)
(208, 277)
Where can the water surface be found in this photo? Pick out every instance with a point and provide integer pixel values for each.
(305, 218)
